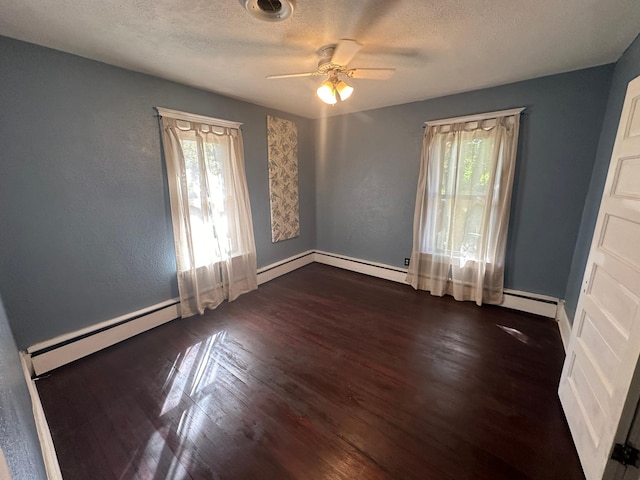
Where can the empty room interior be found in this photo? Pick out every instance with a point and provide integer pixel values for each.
(289, 239)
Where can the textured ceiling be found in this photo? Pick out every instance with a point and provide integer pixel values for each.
(437, 47)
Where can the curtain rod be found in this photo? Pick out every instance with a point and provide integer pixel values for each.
(192, 117)
(474, 118)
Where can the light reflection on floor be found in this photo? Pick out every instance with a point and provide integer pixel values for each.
(517, 334)
(192, 372)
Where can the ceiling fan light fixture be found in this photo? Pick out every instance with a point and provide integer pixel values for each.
(327, 92)
(344, 90)
(333, 67)
(269, 10)
(333, 89)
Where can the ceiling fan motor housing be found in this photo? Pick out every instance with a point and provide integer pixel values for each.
(269, 10)
(324, 64)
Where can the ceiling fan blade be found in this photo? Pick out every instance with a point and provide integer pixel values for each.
(371, 73)
(293, 75)
(345, 51)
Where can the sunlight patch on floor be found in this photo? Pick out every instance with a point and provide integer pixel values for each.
(193, 371)
(517, 334)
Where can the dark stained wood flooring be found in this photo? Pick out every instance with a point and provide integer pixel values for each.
(320, 374)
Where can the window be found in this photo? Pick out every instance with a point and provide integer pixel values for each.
(462, 206)
(210, 211)
(463, 194)
(206, 195)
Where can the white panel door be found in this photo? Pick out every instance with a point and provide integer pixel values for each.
(605, 339)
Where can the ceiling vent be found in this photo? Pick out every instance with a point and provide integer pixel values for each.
(269, 10)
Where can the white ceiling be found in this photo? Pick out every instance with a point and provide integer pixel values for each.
(438, 47)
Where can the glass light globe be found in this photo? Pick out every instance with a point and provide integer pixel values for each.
(327, 92)
(344, 90)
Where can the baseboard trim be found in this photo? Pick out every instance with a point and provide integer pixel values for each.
(537, 304)
(93, 329)
(49, 456)
(56, 352)
(59, 351)
(530, 303)
(51, 354)
(45, 356)
(563, 324)
(285, 266)
(374, 269)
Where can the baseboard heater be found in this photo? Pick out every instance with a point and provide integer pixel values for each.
(531, 303)
(54, 353)
(59, 351)
(525, 296)
(514, 299)
(275, 270)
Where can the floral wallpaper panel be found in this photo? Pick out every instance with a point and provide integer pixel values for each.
(282, 138)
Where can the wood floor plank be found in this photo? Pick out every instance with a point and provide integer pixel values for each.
(320, 374)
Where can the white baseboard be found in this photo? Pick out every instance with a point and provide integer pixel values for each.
(530, 303)
(374, 269)
(56, 352)
(51, 354)
(287, 265)
(59, 351)
(563, 324)
(523, 301)
(98, 326)
(42, 427)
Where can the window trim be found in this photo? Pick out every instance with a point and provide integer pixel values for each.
(192, 117)
(474, 118)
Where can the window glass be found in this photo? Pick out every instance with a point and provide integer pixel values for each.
(464, 185)
(207, 195)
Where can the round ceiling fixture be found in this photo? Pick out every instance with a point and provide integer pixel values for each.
(270, 10)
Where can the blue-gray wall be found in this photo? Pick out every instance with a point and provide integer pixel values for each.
(367, 166)
(626, 69)
(85, 228)
(18, 436)
(85, 231)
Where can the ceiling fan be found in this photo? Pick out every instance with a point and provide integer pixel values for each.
(333, 63)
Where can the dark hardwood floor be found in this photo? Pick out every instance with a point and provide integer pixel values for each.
(320, 374)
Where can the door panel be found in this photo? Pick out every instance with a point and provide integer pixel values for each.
(603, 351)
(625, 185)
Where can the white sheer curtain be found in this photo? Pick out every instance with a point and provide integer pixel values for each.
(210, 211)
(462, 207)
